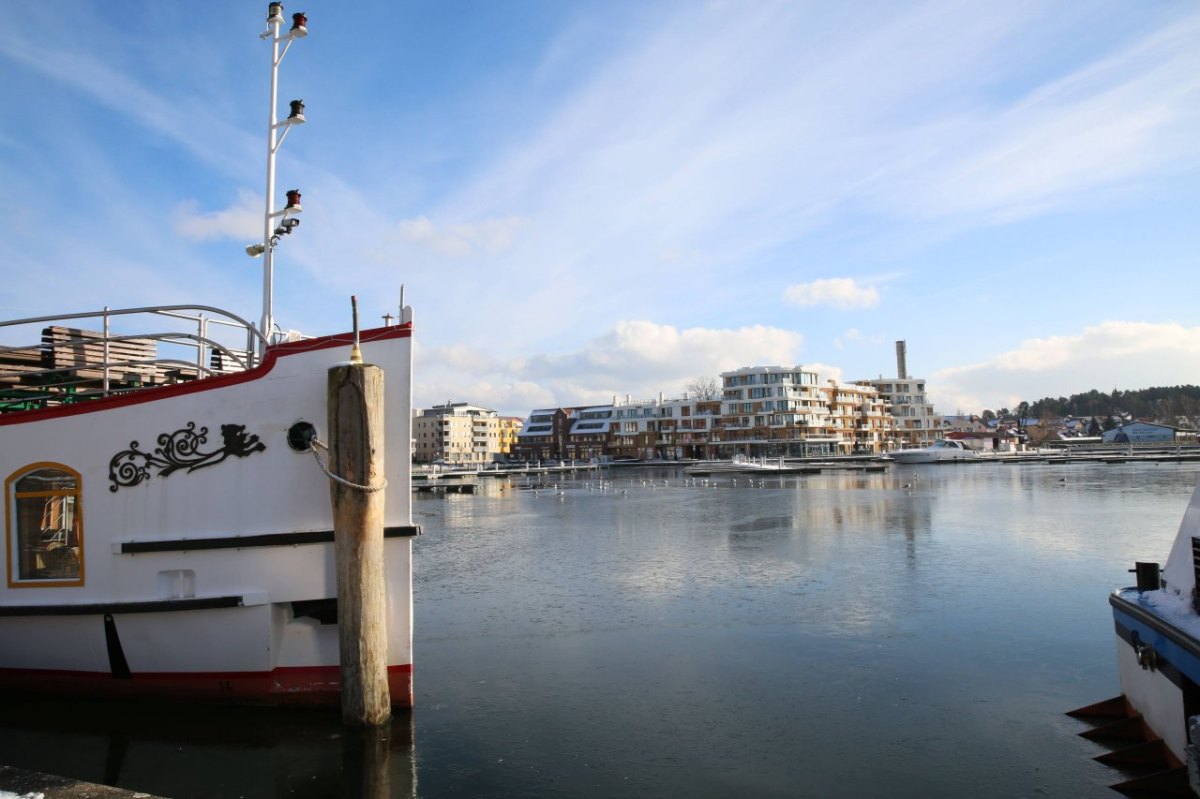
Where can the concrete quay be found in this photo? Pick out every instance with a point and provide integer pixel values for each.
(18, 783)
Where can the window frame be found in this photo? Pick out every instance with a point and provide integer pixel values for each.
(12, 536)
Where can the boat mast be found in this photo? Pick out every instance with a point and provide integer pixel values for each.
(276, 131)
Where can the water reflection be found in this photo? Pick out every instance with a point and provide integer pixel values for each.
(912, 633)
(191, 751)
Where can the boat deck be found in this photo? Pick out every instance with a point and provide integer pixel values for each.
(77, 357)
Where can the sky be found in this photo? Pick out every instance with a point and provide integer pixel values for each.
(601, 199)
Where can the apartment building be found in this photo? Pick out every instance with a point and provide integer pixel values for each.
(543, 437)
(457, 433)
(636, 426)
(587, 438)
(775, 411)
(917, 423)
(510, 426)
(859, 418)
(764, 411)
(698, 429)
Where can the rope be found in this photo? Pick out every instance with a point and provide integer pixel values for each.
(316, 442)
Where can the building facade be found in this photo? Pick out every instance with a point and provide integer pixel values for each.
(917, 423)
(458, 434)
(859, 418)
(588, 436)
(1140, 432)
(763, 411)
(543, 437)
(773, 411)
(510, 426)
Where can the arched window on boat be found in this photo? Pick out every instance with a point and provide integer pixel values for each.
(44, 532)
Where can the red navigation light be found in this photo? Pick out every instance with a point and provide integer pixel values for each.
(293, 201)
(299, 24)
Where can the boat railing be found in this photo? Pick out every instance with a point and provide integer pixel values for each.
(72, 362)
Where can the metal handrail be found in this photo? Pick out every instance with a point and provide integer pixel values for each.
(203, 345)
(165, 310)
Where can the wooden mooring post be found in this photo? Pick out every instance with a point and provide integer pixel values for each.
(356, 453)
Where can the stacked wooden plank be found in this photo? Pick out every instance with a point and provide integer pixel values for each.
(222, 363)
(17, 362)
(82, 356)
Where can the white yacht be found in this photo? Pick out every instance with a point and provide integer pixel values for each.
(945, 449)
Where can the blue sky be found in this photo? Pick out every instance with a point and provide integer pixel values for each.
(592, 199)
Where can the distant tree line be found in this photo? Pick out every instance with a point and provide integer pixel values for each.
(1169, 405)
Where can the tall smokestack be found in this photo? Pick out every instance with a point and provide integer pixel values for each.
(901, 365)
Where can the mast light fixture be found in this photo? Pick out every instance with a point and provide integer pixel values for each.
(286, 227)
(276, 131)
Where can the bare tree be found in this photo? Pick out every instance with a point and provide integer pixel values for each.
(1045, 430)
(704, 388)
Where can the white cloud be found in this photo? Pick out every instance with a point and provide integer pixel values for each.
(826, 372)
(843, 293)
(242, 220)
(648, 350)
(636, 357)
(1119, 118)
(489, 236)
(1114, 354)
(853, 337)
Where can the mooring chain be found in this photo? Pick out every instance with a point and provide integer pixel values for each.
(318, 443)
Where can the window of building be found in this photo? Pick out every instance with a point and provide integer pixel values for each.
(44, 532)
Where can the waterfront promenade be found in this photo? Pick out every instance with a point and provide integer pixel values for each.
(1115, 453)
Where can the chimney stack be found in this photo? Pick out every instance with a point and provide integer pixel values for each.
(901, 361)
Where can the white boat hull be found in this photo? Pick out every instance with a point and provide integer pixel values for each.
(214, 580)
(1159, 667)
(939, 452)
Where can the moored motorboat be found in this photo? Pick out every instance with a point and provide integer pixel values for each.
(1157, 626)
(944, 449)
(740, 464)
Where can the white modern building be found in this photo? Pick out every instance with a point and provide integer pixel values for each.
(457, 433)
(917, 423)
(777, 411)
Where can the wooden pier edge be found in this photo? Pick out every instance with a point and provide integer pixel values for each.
(356, 453)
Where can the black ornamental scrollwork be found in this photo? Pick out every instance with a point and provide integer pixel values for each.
(179, 450)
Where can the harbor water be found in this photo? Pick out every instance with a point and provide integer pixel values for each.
(916, 632)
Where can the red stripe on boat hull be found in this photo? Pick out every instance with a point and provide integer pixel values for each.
(155, 393)
(315, 686)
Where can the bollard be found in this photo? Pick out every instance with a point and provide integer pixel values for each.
(356, 450)
(1148, 576)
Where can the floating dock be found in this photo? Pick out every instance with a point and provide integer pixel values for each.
(445, 488)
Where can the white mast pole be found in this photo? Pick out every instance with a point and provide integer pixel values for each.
(276, 131)
(273, 22)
